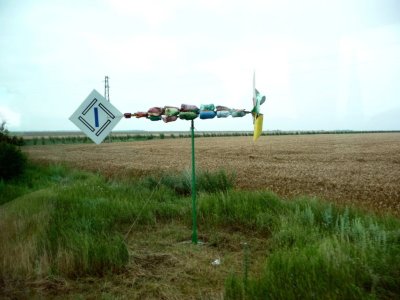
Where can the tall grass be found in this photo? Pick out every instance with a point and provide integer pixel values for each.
(72, 224)
(323, 253)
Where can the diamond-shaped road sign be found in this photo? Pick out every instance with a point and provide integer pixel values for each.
(96, 117)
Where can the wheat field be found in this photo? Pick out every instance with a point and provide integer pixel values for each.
(351, 169)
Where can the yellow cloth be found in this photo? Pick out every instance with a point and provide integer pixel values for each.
(258, 124)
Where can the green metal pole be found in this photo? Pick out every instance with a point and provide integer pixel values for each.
(194, 206)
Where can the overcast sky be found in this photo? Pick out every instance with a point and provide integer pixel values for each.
(321, 64)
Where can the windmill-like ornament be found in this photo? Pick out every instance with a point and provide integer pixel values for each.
(206, 111)
(96, 117)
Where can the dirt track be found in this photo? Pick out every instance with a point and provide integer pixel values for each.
(362, 169)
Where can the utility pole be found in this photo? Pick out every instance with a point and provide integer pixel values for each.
(106, 89)
(107, 96)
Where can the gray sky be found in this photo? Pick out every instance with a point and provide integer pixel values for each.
(321, 64)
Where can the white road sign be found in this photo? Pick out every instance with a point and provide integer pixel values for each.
(96, 117)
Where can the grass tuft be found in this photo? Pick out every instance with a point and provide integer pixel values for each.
(206, 182)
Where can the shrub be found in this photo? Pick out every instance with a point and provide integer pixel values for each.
(12, 161)
(5, 138)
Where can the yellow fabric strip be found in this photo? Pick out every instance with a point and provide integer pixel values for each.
(258, 124)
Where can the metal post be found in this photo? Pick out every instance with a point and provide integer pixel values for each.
(194, 206)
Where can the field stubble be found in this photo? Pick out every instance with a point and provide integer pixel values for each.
(350, 169)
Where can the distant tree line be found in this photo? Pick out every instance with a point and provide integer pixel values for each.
(120, 137)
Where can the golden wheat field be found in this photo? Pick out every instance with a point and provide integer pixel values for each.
(351, 169)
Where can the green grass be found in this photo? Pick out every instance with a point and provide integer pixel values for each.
(61, 223)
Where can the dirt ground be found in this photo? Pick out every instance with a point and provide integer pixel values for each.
(354, 169)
